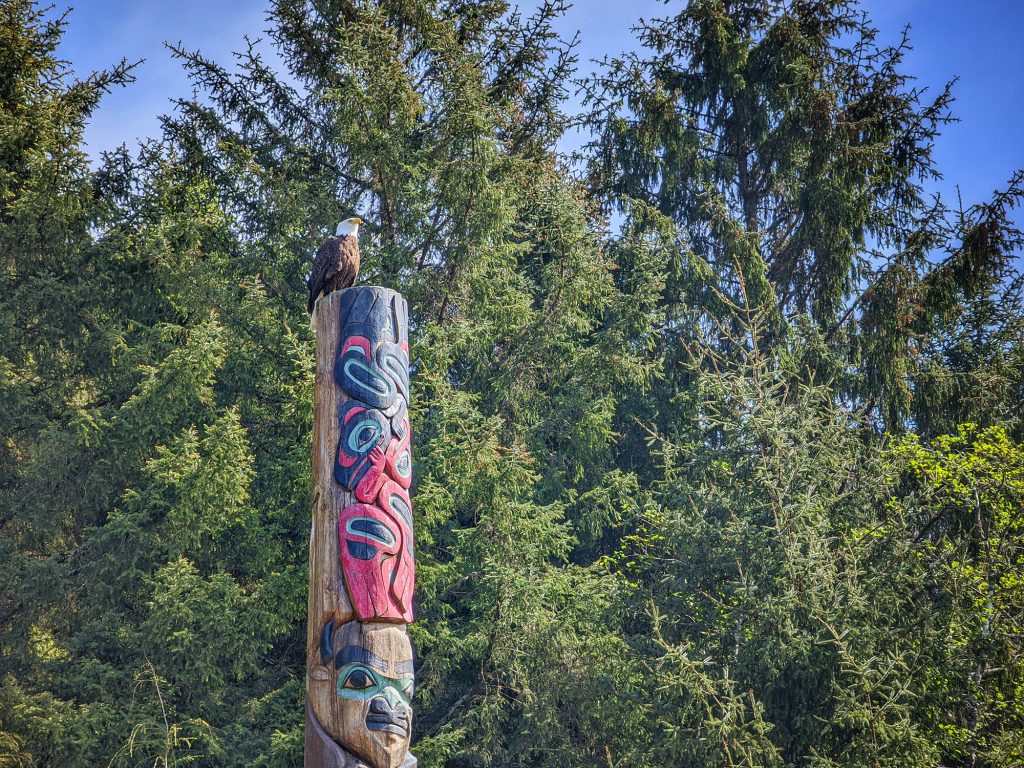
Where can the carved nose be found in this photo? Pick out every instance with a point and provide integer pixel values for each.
(393, 710)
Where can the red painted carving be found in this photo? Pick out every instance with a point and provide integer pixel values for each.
(374, 457)
(365, 434)
(375, 548)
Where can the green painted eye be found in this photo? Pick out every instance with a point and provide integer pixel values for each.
(358, 680)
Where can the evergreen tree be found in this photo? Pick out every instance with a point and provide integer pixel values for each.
(769, 160)
(151, 472)
(778, 599)
(790, 150)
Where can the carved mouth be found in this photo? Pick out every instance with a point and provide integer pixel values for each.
(375, 722)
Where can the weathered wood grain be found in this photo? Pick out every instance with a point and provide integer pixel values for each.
(328, 599)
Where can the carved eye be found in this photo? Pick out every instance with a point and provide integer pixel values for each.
(358, 680)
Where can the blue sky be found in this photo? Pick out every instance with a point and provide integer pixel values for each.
(980, 42)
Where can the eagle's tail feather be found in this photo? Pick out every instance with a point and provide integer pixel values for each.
(312, 317)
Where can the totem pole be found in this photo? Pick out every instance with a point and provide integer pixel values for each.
(359, 661)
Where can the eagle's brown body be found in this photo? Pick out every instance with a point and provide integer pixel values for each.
(335, 267)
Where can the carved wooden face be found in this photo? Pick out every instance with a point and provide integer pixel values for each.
(372, 715)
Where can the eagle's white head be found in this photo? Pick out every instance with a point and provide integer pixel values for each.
(348, 227)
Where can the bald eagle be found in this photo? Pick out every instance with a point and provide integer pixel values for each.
(336, 263)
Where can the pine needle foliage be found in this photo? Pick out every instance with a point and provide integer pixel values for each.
(789, 149)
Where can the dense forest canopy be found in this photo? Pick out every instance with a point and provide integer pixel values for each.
(718, 424)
